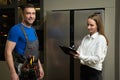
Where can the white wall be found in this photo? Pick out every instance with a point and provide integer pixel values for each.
(109, 5)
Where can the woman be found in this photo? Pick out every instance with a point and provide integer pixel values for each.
(93, 49)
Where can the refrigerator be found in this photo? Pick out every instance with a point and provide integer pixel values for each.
(64, 28)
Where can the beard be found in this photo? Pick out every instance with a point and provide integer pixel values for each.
(28, 23)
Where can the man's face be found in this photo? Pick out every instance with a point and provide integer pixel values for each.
(29, 16)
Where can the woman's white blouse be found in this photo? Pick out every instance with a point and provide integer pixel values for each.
(93, 50)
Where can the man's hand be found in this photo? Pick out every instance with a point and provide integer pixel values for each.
(41, 73)
(41, 70)
(14, 76)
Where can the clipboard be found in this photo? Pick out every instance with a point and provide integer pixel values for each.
(68, 50)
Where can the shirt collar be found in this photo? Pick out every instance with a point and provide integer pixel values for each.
(93, 36)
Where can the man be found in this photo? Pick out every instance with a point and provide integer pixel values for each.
(22, 39)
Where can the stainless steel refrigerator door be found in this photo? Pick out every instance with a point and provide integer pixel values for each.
(80, 30)
(57, 33)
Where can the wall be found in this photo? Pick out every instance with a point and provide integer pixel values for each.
(4, 71)
(109, 64)
(117, 41)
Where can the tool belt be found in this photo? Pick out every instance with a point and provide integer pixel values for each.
(30, 69)
(27, 68)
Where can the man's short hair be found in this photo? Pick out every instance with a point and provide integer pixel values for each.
(27, 6)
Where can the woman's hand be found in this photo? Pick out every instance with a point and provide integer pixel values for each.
(75, 54)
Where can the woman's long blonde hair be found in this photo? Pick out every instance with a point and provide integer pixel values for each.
(100, 28)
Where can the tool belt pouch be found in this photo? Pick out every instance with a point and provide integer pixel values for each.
(29, 71)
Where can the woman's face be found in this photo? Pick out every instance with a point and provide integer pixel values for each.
(92, 26)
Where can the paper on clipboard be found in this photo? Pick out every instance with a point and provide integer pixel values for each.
(68, 50)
